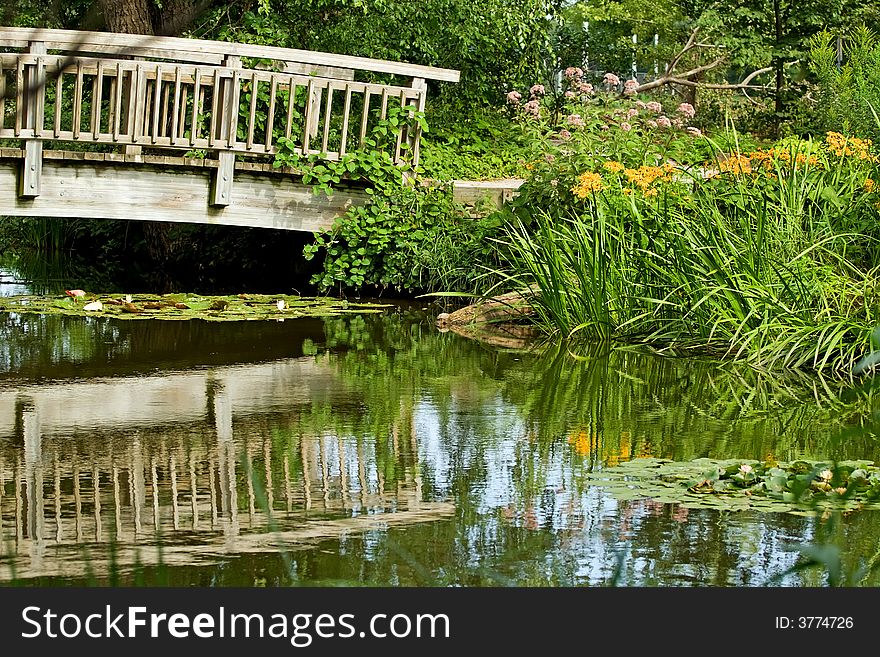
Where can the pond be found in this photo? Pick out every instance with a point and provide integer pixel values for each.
(377, 450)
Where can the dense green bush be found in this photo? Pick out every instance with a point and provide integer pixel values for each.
(848, 97)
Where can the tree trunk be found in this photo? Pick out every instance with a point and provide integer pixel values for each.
(127, 16)
(175, 16)
(778, 63)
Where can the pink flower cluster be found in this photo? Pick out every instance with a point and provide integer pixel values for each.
(585, 88)
(664, 122)
(575, 121)
(536, 90)
(630, 87)
(611, 80)
(574, 73)
(513, 97)
(654, 106)
(533, 107)
(687, 110)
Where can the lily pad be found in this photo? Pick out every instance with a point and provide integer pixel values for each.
(182, 306)
(803, 487)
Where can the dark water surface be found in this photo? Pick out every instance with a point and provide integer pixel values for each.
(376, 450)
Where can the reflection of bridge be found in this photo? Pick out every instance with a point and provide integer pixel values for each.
(124, 93)
(188, 459)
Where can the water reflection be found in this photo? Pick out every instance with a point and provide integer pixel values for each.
(375, 450)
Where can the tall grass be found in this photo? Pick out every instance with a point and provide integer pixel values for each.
(761, 266)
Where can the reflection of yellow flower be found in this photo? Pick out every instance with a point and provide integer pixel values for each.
(581, 442)
(587, 183)
(869, 185)
(613, 166)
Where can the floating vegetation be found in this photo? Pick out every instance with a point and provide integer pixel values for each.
(187, 306)
(801, 487)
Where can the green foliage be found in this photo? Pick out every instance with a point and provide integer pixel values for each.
(486, 145)
(847, 97)
(772, 261)
(408, 236)
(494, 43)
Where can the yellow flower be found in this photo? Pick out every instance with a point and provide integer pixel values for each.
(869, 185)
(587, 183)
(613, 166)
(736, 164)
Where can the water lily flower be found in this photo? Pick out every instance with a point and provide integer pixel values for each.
(745, 468)
(825, 474)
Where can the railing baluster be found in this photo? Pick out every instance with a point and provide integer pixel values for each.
(384, 112)
(97, 91)
(117, 114)
(345, 112)
(20, 96)
(175, 111)
(291, 99)
(166, 101)
(365, 116)
(308, 119)
(400, 131)
(252, 116)
(77, 100)
(39, 95)
(215, 107)
(197, 101)
(325, 140)
(157, 99)
(181, 125)
(420, 85)
(270, 117)
(140, 103)
(2, 96)
(232, 109)
(59, 86)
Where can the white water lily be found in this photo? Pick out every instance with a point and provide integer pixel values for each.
(281, 305)
(128, 298)
(94, 305)
(745, 468)
(825, 474)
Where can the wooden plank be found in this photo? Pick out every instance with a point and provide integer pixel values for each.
(421, 86)
(400, 131)
(365, 117)
(291, 99)
(91, 189)
(345, 112)
(205, 51)
(157, 98)
(197, 107)
(216, 106)
(181, 130)
(59, 90)
(384, 111)
(270, 117)
(252, 115)
(308, 118)
(221, 193)
(231, 109)
(30, 179)
(20, 97)
(97, 91)
(314, 109)
(175, 112)
(119, 83)
(77, 101)
(2, 96)
(327, 109)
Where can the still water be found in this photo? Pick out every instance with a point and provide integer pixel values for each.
(376, 450)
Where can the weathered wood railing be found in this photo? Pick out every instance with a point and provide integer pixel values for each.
(136, 91)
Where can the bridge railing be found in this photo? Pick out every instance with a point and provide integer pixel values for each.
(185, 94)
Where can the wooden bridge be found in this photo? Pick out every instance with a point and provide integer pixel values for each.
(122, 126)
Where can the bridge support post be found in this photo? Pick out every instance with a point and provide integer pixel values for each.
(227, 126)
(32, 120)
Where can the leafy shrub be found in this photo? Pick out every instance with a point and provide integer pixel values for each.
(849, 96)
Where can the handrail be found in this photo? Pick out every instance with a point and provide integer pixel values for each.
(205, 51)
